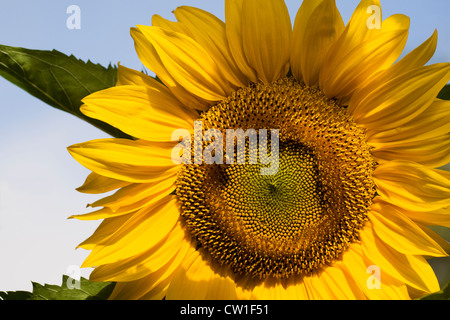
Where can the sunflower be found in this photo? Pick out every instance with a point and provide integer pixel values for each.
(345, 215)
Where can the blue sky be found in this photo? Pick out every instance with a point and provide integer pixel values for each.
(37, 176)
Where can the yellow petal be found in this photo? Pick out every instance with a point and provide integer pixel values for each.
(130, 199)
(105, 230)
(300, 29)
(293, 289)
(196, 280)
(402, 234)
(130, 77)
(133, 161)
(154, 285)
(341, 283)
(434, 152)
(140, 289)
(354, 35)
(439, 217)
(419, 56)
(161, 256)
(414, 271)
(444, 244)
(415, 59)
(210, 32)
(159, 21)
(266, 36)
(158, 293)
(149, 113)
(333, 283)
(317, 288)
(413, 186)
(357, 30)
(401, 99)
(345, 71)
(138, 234)
(358, 265)
(432, 123)
(96, 184)
(188, 63)
(317, 26)
(150, 58)
(280, 289)
(137, 192)
(233, 28)
(104, 213)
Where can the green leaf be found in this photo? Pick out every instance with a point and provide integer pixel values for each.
(15, 295)
(444, 294)
(57, 79)
(85, 290)
(445, 93)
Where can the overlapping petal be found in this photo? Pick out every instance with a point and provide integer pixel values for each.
(150, 58)
(210, 32)
(188, 63)
(361, 52)
(433, 152)
(340, 283)
(266, 37)
(233, 28)
(149, 113)
(174, 26)
(398, 101)
(104, 231)
(358, 265)
(412, 270)
(317, 26)
(171, 250)
(132, 161)
(195, 280)
(97, 184)
(413, 186)
(428, 216)
(433, 122)
(415, 59)
(278, 289)
(401, 233)
(144, 230)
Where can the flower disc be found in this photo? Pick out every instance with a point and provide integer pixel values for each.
(308, 211)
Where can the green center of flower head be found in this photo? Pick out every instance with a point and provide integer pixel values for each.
(304, 213)
(277, 206)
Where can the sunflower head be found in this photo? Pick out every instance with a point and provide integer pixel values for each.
(323, 148)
